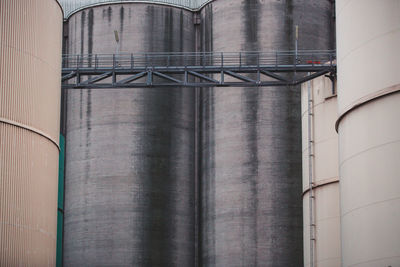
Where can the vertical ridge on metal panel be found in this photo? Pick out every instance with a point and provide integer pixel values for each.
(30, 68)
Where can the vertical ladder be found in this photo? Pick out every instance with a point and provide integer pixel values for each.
(310, 103)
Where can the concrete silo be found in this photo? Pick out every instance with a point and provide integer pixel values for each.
(130, 152)
(368, 34)
(251, 146)
(30, 66)
(320, 154)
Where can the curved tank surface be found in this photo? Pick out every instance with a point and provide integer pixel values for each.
(251, 187)
(369, 131)
(322, 115)
(71, 6)
(129, 192)
(30, 73)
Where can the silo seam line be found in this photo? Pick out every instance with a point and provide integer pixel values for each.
(31, 129)
(36, 57)
(377, 37)
(368, 149)
(370, 204)
(373, 260)
(365, 100)
(320, 185)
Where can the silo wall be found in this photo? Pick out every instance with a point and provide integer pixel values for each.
(321, 116)
(30, 67)
(129, 185)
(251, 192)
(369, 132)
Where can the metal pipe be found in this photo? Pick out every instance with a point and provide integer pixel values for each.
(296, 43)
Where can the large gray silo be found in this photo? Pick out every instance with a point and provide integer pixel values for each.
(251, 185)
(129, 185)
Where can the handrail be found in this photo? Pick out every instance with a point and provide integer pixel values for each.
(195, 69)
(155, 59)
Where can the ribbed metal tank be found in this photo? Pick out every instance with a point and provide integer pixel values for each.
(129, 185)
(319, 111)
(30, 70)
(369, 131)
(251, 185)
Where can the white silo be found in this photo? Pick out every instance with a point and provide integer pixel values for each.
(368, 34)
(320, 155)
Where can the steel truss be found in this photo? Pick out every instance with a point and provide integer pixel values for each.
(245, 69)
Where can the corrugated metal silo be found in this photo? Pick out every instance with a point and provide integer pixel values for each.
(319, 111)
(130, 152)
(369, 131)
(251, 146)
(30, 70)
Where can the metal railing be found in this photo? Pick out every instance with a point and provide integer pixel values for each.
(206, 59)
(281, 68)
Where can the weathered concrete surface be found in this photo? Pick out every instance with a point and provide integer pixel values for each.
(251, 138)
(130, 152)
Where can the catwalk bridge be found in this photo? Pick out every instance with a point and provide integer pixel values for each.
(241, 69)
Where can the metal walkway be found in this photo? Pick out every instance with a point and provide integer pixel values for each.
(242, 69)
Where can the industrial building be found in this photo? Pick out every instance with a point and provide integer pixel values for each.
(200, 133)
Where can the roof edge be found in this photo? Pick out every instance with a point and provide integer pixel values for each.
(111, 2)
(60, 6)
